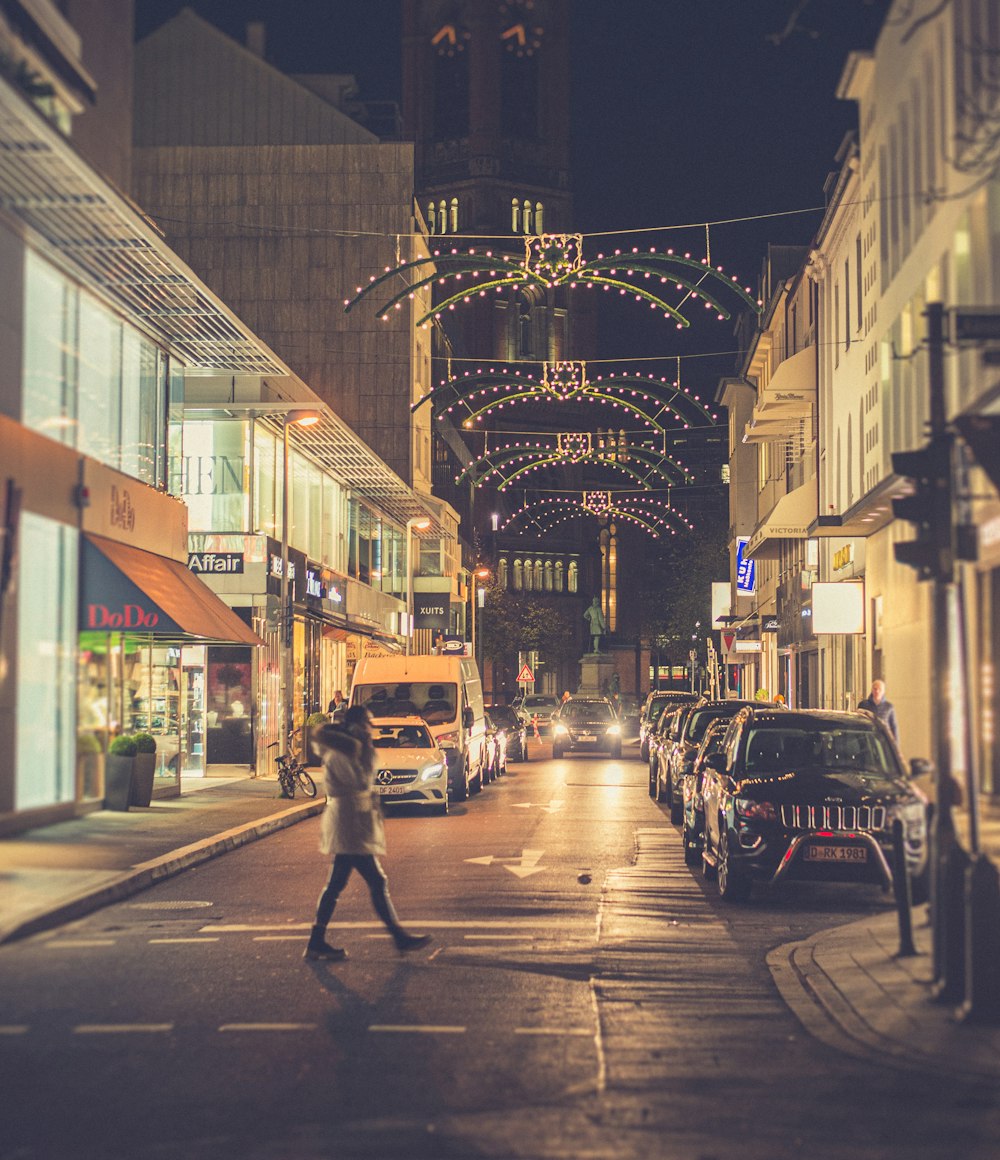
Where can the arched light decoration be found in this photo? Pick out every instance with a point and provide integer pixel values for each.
(656, 401)
(552, 260)
(509, 462)
(655, 516)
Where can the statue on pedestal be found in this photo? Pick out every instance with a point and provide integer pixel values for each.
(598, 625)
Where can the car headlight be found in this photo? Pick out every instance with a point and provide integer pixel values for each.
(432, 772)
(614, 731)
(760, 811)
(561, 730)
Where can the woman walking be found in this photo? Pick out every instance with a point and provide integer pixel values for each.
(352, 831)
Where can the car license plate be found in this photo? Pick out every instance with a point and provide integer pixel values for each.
(835, 854)
(585, 737)
(391, 789)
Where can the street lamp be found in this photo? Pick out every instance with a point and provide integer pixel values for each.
(421, 523)
(302, 417)
(477, 574)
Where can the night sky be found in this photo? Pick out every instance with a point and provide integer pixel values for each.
(686, 111)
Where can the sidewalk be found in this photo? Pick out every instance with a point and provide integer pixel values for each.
(844, 984)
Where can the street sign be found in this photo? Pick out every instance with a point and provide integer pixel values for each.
(525, 675)
(727, 641)
(975, 325)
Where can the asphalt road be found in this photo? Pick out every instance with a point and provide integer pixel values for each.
(555, 1014)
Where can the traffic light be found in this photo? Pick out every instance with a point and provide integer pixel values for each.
(932, 553)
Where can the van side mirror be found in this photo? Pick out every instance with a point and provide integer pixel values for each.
(920, 767)
(468, 718)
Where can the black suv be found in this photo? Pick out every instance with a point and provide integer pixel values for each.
(587, 723)
(810, 794)
(652, 710)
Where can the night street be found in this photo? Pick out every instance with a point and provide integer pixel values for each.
(572, 1004)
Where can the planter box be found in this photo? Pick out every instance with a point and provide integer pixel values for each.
(143, 769)
(117, 781)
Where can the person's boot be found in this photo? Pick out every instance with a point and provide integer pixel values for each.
(409, 942)
(319, 948)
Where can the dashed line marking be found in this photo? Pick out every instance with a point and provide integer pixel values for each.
(121, 1028)
(73, 943)
(160, 941)
(276, 938)
(499, 937)
(13, 1029)
(268, 1027)
(417, 1028)
(581, 1031)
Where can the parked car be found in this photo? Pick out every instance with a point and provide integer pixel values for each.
(514, 729)
(693, 828)
(495, 764)
(411, 768)
(662, 737)
(539, 707)
(810, 795)
(675, 760)
(652, 710)
(589, 723)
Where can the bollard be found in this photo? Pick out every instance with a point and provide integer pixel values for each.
(982, 943)
(950, 985)
(901, 890)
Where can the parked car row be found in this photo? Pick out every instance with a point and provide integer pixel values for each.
(771, 794)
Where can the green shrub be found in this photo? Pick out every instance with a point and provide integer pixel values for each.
(318, 719)
(144, 743)
(87, 743)
(123, 746)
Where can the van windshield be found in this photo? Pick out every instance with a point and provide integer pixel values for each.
(434, 701)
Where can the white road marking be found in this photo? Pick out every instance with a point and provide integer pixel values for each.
(268, 1027)
(581, 1031)
(278, 938)
(499, 937)
(184, 940)
(418, 1028)
(524, 866)
(554, 806)
(73, 943)
(438, 924)
(120, 1028)
(13, 1028)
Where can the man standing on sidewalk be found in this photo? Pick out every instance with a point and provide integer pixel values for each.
(884, 710)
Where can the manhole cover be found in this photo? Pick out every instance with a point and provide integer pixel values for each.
(192, 905)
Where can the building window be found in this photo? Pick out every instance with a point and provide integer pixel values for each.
(548, 575)
(502, 573)
(559, 575)
(518, 576)
(572, 576)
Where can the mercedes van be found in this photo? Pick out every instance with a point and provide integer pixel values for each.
(446, 692)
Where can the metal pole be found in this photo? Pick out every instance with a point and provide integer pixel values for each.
(409, 585)
(286, 626)
(472, 617)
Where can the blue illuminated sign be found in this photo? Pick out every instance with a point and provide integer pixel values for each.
(746, 570)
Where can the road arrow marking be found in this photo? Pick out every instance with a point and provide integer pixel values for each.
(524, 866)
(553, 807)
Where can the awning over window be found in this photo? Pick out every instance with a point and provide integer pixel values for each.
(789, 519)
(786, 402)
(124, 589)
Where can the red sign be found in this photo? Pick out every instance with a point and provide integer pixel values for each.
(525, 675)
(727, 641)
(128, 616)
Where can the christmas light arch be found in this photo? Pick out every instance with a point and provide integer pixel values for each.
(552, 260)
(511, 461)
(651, 399)
(654, 516)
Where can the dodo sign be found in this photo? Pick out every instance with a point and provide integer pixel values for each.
(128, 616)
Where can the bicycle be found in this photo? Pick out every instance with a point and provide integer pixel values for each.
(292, 773)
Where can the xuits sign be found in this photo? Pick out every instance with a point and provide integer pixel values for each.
(431, 610)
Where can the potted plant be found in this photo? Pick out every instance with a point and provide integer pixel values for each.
(89, 766)
(314, 720)
(118, 773)
(143, 769)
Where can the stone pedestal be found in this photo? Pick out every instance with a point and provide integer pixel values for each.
(595, 669)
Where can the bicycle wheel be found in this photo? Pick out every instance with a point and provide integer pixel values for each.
(286, 782)
(305, 783)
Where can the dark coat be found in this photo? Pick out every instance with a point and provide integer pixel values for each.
(885, 711)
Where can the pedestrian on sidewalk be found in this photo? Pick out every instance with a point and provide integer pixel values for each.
(352, 831)
(884, 710)
(337, 707)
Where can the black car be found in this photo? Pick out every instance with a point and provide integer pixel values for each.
(693, 828)
(652, 710)
(676, 757)
(513, 728)
(587, 723)
(810, 795)
(663, 737)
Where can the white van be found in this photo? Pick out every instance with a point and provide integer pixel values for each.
(447, 692)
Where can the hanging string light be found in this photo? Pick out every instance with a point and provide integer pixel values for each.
(655, 516)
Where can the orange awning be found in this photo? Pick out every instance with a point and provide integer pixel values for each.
(125, 589)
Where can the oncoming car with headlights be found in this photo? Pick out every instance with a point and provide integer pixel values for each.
(587, 723)
(410, 768)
